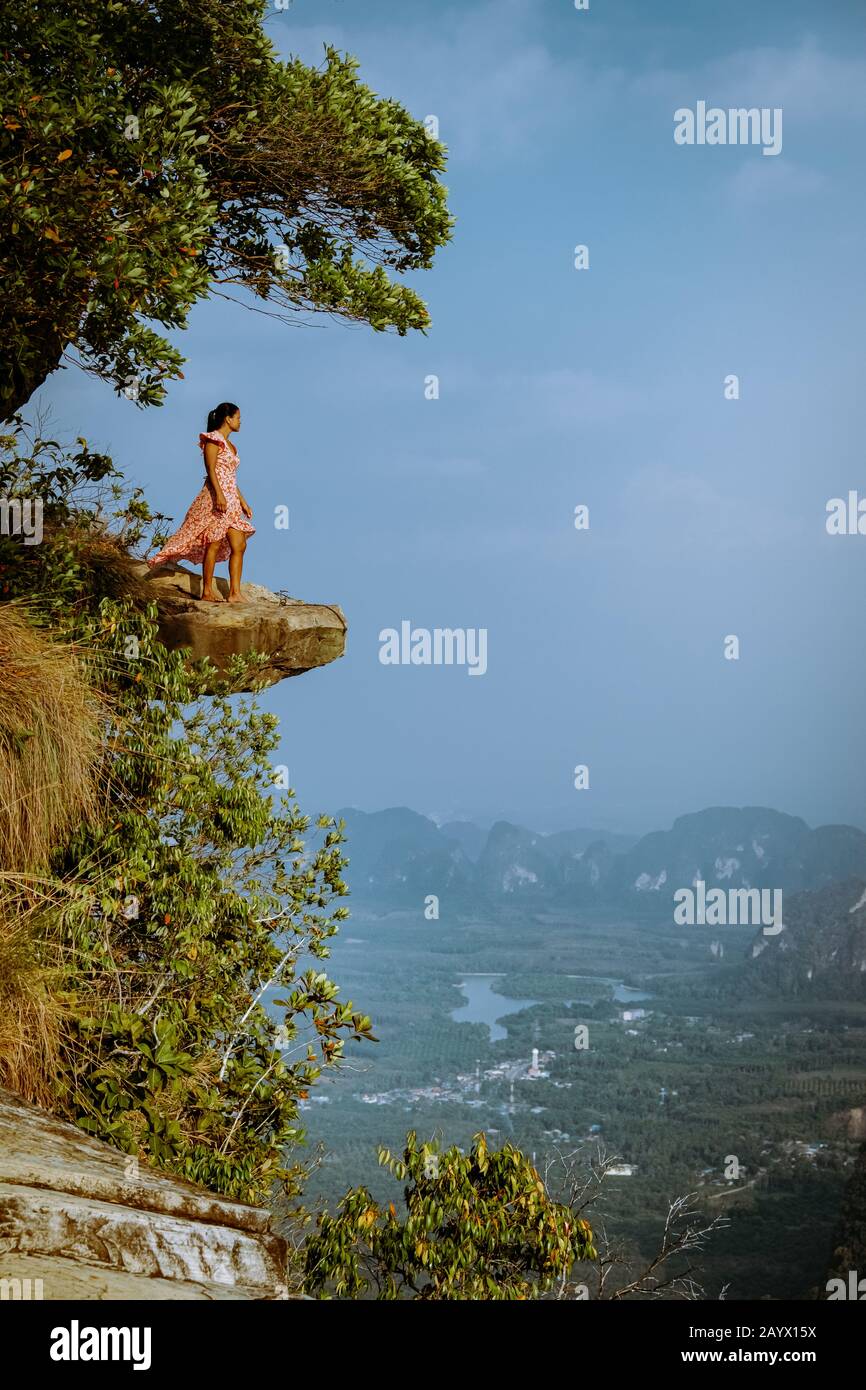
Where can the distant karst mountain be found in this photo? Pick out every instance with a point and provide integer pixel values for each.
(732, 847)
(471, 838)
(821, 951)
(398, 857)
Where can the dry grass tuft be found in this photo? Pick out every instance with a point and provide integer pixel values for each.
(30, 1011)
(109, 566)
(50, 723)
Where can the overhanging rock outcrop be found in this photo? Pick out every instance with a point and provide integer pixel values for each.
(81, 1220)
(291, 635)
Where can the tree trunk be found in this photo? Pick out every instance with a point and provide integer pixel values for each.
(20, 379)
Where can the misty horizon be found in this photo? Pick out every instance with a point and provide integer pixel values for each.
(552, 821)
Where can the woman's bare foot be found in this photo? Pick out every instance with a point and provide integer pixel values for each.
(235, 598)
(209, 596)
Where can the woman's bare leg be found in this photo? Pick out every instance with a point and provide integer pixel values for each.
(238, 543)
(208, 591)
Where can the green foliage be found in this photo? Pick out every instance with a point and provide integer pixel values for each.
(195, 900)
(477, 1226)
(849, 1245)
(151, 151)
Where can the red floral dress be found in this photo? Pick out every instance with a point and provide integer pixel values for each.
(203, 523)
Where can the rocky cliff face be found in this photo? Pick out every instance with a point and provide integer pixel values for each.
(291, 636)
(821, 953)
(80, 1220)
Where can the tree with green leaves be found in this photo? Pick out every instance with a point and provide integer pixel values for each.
(476, 1226)
(153, 152)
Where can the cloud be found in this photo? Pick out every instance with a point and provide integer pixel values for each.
(485, 71)
(451, 468)
(770, 179)
(814, 88)
(503, 85)
(531, 397)
(813, 83)
(689, 513)
(572, 396)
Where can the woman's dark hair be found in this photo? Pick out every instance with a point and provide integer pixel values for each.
(220, 414)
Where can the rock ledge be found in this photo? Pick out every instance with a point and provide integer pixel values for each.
(81, 1220)
(294, 636)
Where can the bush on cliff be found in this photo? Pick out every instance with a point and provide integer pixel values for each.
(189, 898)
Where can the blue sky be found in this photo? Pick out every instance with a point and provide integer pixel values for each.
(560, 387)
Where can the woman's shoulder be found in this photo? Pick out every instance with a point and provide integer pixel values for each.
(211, 437)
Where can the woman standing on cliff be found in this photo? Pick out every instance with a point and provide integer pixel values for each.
(217, 524)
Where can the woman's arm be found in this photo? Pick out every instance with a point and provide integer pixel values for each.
(211, 454)
(245, 506)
